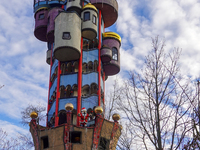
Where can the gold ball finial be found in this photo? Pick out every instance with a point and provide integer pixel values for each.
(116, 117)
(69, 107)
(98, 110)
(34, 115)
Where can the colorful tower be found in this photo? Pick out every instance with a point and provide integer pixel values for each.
(81, 57)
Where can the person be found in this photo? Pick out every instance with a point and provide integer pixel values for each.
(84, 117)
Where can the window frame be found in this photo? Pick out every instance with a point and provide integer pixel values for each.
(66, 38)
(74, 134)
(41, 18)
(114, 53)
(84, 18)
(45, 142)
(94, 17)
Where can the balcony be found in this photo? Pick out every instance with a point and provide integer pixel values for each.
(109, 9)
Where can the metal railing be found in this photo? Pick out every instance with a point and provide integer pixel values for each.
(46, 1)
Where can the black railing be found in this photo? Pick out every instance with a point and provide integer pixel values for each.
(47, 1)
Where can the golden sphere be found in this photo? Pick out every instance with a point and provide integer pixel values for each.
(98, 110)
(69, 106)
(116, 117)
(34, 115)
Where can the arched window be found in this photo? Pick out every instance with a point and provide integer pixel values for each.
(75, 90)
(75, 66)
(93, 88)
(85, 90)
(69, 67)
(54, 94)
(90, 66)
(62, 91)
(52, 120)
(95, 65)
(52, 98)
(114, 53)
(63, 68)
(56, 71)
(86, 16)
(93, 43)
(68, 90)
(62, 117)
(84, 68)
(85, 44)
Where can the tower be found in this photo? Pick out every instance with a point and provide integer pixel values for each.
(81, 56)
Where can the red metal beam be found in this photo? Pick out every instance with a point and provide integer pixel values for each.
(79, 84)
(104, 92)
(51, 63)
(99, 64)
(57, 95)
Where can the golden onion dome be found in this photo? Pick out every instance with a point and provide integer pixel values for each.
(116, 117)
(112, 35)
(34, 115)
(69, 106)
(89, 5)
(98, 110)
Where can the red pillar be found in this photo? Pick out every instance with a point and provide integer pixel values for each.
(99, 64)
(51, 63)
(79, 84)
(57, 95)
(104, 92)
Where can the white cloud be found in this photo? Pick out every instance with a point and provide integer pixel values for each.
(176, 21)
(11, 129)
(25, 74)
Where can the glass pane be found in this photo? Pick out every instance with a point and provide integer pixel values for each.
(41, 16)
(86, 16)
(90, 102)
(63, 102)
(114, 53)
(94, 19)
(90, 55)
(52, 110)
(70, 79)
(66, 35)
(88, 79)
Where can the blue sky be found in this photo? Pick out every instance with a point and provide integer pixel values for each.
(25, 74)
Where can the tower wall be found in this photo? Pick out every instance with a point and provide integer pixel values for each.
(67, 37)
(81, 58)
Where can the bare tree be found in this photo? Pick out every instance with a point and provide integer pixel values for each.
(126, 139)
(157, 101)
(27, 111)
(8, 143)
(194, 142)
(20, 141)
(111, 100)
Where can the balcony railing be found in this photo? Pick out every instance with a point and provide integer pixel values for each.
(46, 2)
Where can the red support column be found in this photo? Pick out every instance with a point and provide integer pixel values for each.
(99, 64)
(104, 92)
(51, 63)
(57, 95)
(79, 84)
